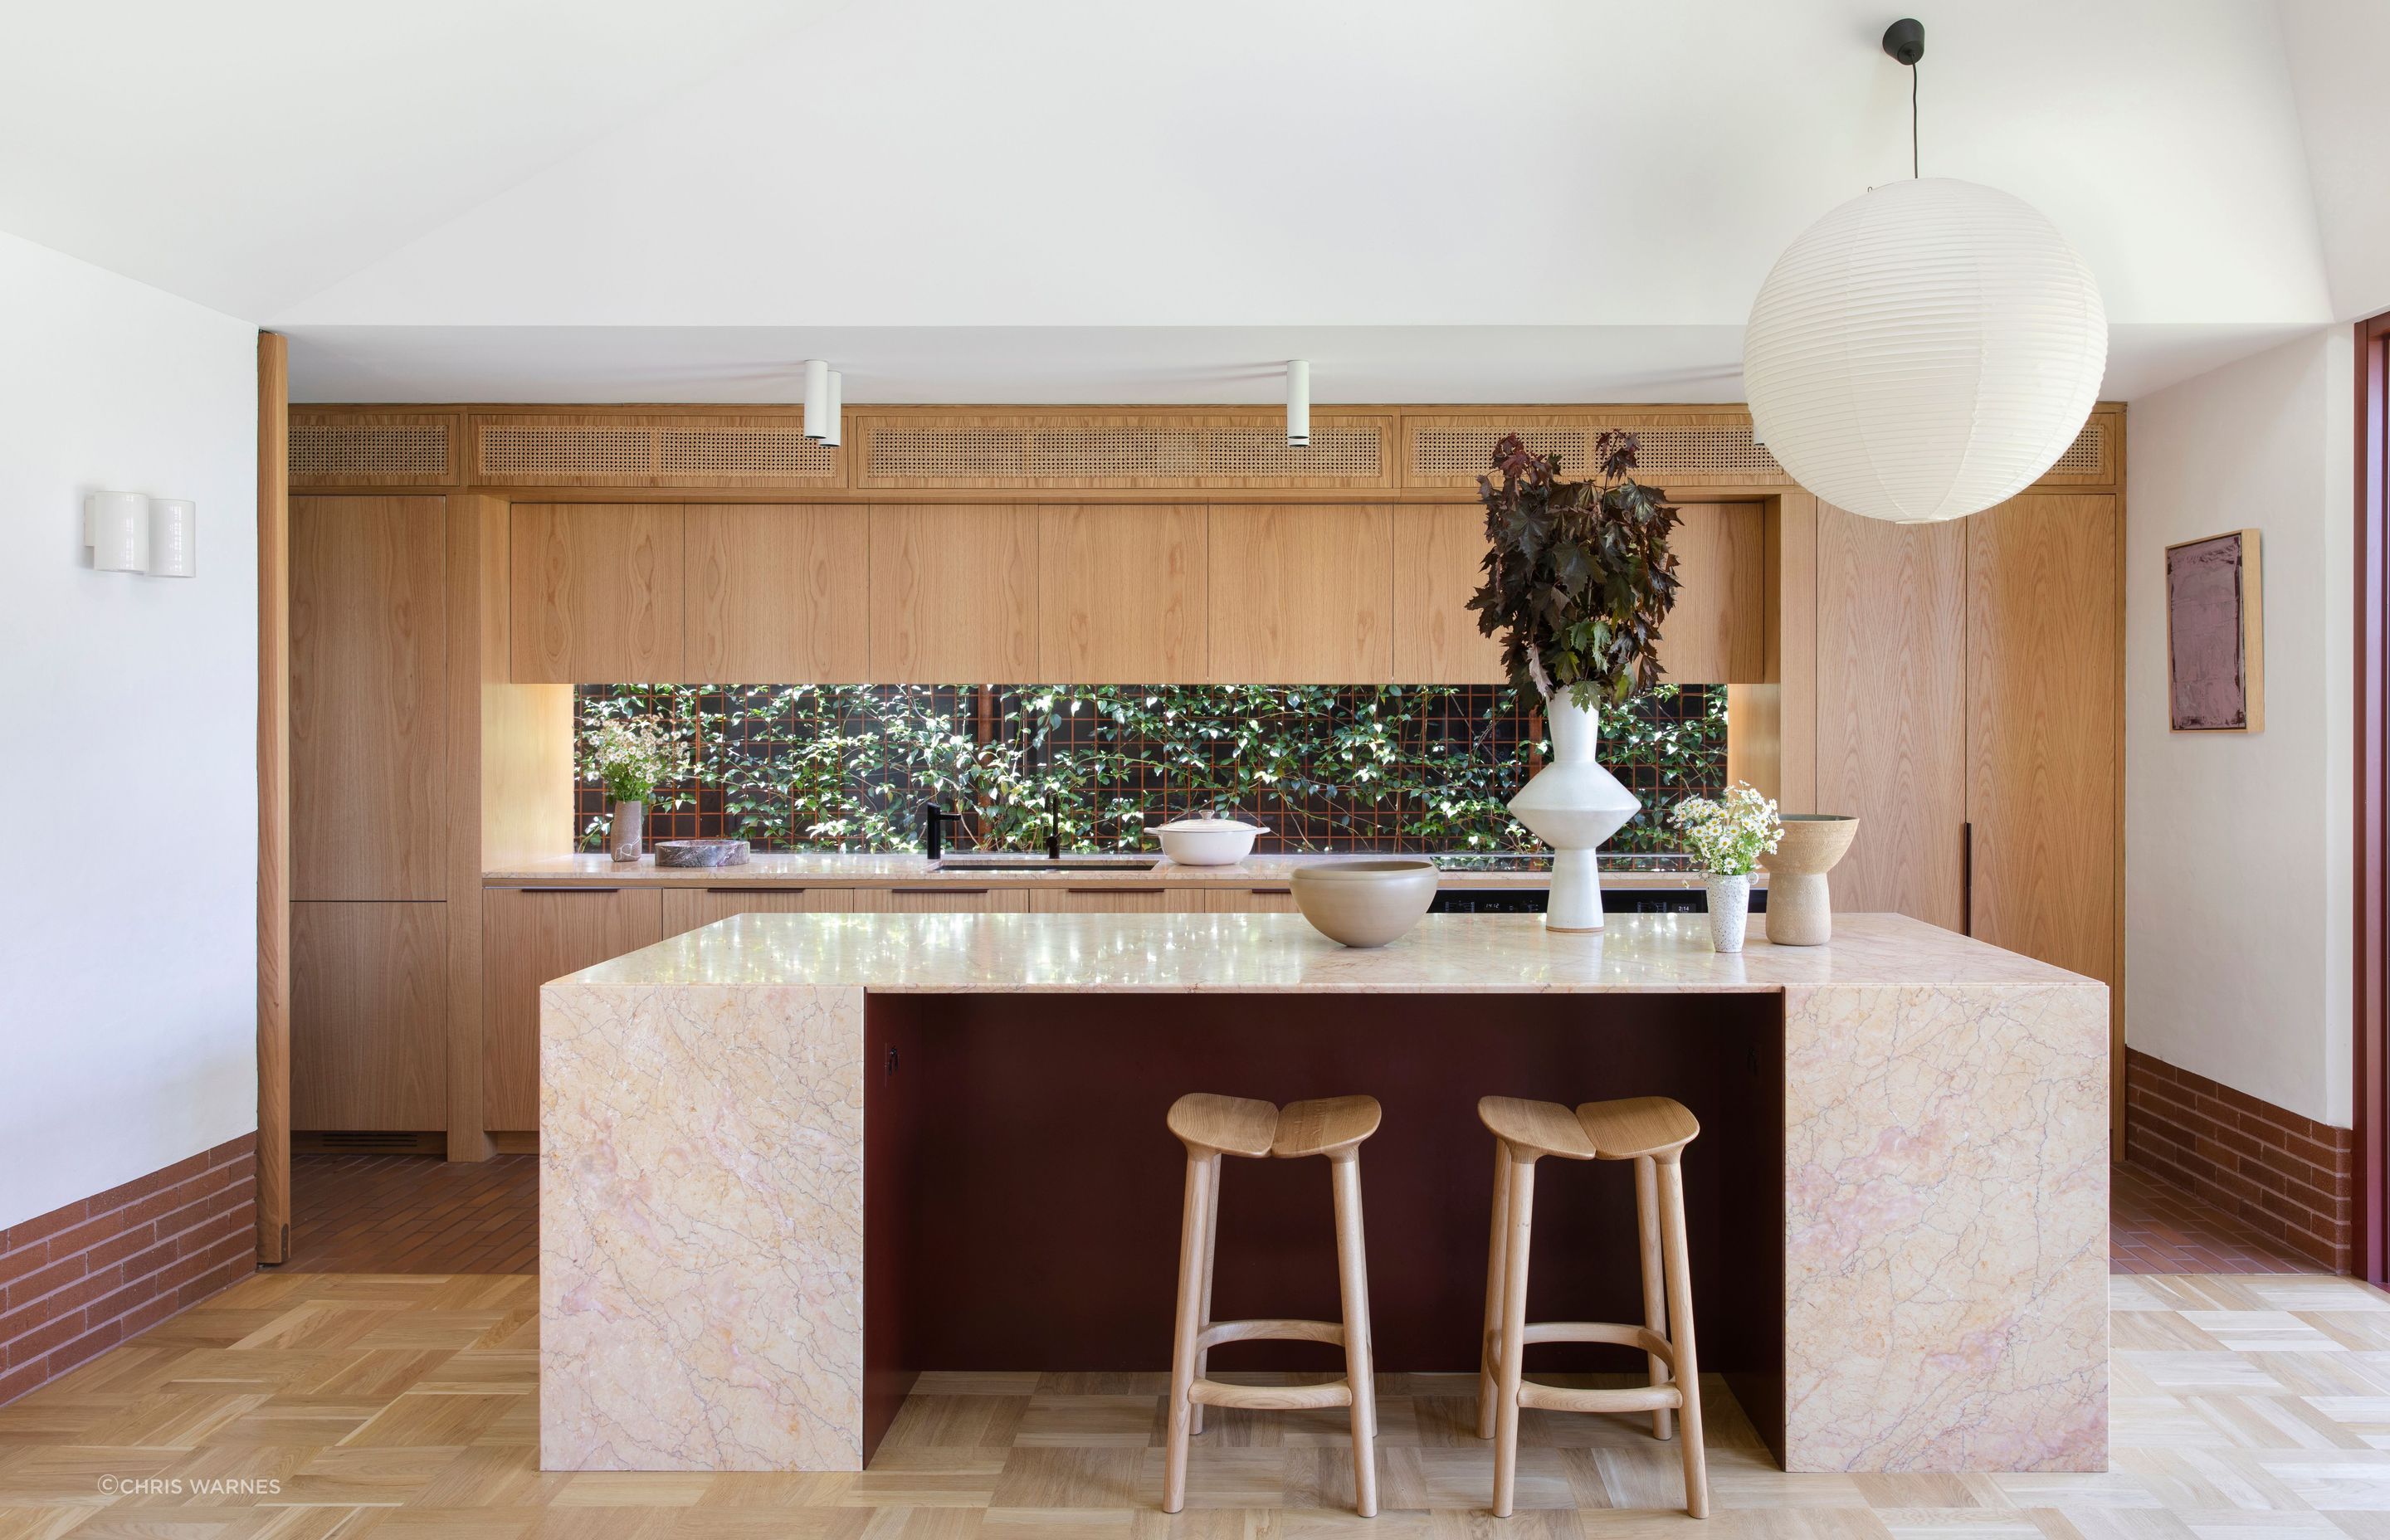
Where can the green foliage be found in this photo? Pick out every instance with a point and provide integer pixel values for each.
(1578, 574)
(847, 767)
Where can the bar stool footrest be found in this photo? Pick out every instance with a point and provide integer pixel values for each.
(1640, 1338)
(1270, 1398)
(1629, 1398)
(1270, 1329)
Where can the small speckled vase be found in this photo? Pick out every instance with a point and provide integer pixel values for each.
(626, 833)
(1729, 910)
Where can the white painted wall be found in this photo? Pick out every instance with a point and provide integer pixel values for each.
(128, 705)
(2237, 882)
(2334, 49)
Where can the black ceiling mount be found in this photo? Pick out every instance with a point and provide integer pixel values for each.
(1905, 39)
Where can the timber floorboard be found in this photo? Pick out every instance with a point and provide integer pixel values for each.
(2246, 1407)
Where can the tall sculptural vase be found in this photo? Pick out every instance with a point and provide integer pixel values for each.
(1573, 804)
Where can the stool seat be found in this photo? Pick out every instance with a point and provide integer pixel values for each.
(1230, 1124)
(1546, 1127)
(1636, 1126)
(1324, 1127)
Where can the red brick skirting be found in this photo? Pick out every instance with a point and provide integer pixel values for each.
(2287, 1177)
(77, 1280)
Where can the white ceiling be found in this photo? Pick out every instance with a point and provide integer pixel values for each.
(1084, 201)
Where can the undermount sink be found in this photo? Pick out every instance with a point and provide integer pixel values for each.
(1039, 863)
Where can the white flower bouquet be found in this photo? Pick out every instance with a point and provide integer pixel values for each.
(1727, 837)
(636, 754)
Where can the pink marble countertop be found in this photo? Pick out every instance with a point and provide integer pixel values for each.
(829, 870)
(1279, 953)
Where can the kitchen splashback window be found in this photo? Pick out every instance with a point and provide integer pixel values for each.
(1337, 768)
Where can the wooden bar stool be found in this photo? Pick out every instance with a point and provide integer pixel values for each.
(1653, 1132)
(1212, 1126)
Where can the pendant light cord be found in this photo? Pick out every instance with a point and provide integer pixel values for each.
(1913, 161)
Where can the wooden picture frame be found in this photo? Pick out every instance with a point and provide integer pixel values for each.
(2216, 634)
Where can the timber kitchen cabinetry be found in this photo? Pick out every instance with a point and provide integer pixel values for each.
(1970, 704)
(1955, 685)
(368, 815)
(529, 935)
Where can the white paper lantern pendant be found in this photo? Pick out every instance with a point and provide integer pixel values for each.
(1925, 351)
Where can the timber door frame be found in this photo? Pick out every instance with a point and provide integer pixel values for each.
(2370, 957)
(272, 799)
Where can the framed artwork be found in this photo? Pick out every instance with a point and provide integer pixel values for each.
(2215, 636)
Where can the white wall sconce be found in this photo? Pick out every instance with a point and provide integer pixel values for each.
(116, 527)
(129, 532)
(173, 537)
(1298, 403)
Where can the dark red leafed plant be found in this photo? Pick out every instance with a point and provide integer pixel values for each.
(1578, 574)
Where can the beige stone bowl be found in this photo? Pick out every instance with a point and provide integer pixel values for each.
(1364, 903)
(1800, 905)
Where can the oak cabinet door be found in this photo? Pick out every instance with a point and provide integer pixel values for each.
(368, 680)
(369, 1017)
(1247, 901)
(777, 595)
(1111, 901)
(1717, 634)
(693, 908)
(954, 595)
(529, 936)
(1121, 595)
(597, 593)
(1892, 711)
(1438, 553)
(2043, 719)
(1302, 595)
(942, 901)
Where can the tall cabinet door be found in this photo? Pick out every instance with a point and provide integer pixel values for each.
(2045, 703)
(1892, 711)
(369, 678)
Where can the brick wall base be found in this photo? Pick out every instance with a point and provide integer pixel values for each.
(2286, 1176)
(77, 1280)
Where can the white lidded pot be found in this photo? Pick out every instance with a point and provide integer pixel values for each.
(1207, 842)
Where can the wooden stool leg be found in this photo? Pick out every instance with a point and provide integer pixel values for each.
(1680, 1316)
(1200, 1170)
(1210, 1252)
(1353, 1275)
(1655, 1303)
(1496, 1245)
(1520, 1213)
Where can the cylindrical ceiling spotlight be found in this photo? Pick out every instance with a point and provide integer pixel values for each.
(817, 399)
(1298, 403)
(834, 409)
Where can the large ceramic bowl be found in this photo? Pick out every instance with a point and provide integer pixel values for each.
(1207, 841)
(1364, 903)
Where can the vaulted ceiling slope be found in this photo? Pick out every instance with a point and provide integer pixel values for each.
(590, 199)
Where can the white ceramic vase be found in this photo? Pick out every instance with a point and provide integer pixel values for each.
(1729, 910)
(1573, 804)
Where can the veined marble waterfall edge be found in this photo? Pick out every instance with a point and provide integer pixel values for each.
(701, 1229)
(1946, 1205)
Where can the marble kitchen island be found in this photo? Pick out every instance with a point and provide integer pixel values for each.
(790, 1161)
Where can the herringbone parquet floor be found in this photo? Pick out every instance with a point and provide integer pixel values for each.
(2246, 1408)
